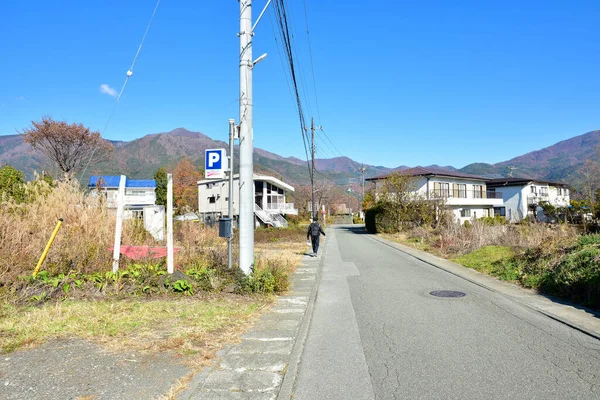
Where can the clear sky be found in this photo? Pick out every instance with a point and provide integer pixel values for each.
(397, 82)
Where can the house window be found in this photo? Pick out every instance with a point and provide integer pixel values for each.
(212, 200)
(501, 211)
(478, 191)
(534, 190)
(135, 192)
(465, 213)
(462, 191)
(544, 191)
(486, 212)
(444, 190)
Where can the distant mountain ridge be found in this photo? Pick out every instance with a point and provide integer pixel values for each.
(562, 161)
(140, 158)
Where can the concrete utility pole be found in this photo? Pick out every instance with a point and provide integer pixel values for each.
(315, 211)
(312, 170)
(246, 207)
(362, 173)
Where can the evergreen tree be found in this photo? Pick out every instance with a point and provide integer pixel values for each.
(160, 177)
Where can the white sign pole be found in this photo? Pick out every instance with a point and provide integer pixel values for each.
(170, 264)
(119, 227)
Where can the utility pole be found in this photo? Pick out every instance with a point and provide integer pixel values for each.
(511, 168)
(362, 173)
(312, 171)
(315, 211)
(246, 218)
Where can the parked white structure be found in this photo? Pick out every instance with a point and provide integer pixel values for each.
(522, 197)
(467, 196)
(138, 193)
(270, 200)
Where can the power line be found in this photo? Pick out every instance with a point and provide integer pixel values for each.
(311, 62)
(284, 30)
(128, 75)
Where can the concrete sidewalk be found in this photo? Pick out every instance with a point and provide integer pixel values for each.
(255, 368)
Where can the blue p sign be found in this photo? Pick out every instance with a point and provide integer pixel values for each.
(214, 159)
(214, 164)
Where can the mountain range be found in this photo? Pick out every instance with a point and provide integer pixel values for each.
(140, 158)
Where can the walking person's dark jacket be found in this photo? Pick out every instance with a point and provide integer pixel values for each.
(314, 231)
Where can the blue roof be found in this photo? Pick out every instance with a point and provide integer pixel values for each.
(113, 182)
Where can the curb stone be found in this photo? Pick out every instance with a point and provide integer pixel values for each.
(264, 364)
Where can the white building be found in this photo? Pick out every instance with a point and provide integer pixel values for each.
(138, 193)
(467, 196)
(270, 200)
(522, 197)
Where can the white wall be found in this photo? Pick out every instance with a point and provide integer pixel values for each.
(516, 200)
(220, 190)
(476, 212)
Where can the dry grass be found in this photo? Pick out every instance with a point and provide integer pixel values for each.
(454, 240)
(179, 386)
(86, 235)
(190, 326)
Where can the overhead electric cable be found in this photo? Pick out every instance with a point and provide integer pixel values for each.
(128, 75)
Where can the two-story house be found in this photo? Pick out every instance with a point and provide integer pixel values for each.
(466, 196)
(522, 197)
(138, 193)
(270, 200)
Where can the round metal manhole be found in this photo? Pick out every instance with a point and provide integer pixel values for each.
(447, 293)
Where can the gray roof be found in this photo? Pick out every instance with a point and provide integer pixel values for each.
(521, 182)
(420, 171)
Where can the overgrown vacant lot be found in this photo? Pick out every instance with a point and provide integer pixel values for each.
(552, 259)
(193, 312)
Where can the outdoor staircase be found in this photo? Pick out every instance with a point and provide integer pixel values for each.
(275, 220)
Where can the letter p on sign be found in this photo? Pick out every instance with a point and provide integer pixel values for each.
(215, 164)
(212, 159)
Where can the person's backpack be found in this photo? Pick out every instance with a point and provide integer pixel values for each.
(314, 229)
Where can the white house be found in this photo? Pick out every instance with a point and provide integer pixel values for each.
(467, 196)
(270, 200)
(138, 193)
(522, 197)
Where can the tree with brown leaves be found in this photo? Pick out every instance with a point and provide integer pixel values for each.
(69, 146)
(185, 185)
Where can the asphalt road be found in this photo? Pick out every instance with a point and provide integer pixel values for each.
(377, 333)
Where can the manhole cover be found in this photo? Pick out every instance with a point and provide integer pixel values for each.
(447, 293)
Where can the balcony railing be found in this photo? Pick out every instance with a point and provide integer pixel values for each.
(279, 207)
(537, 198)
(466, 194)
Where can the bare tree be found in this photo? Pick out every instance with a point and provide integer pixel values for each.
(69, 146)
(591, 180)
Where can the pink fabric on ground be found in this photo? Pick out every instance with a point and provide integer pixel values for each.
(144, 252)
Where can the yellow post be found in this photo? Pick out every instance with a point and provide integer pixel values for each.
(45, 253)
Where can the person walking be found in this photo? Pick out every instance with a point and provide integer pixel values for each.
(314, 231)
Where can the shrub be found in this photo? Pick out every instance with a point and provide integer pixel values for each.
(269, 276)
(577, 276)
(12, 182)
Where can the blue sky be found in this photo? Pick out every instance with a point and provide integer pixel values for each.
(397, 82)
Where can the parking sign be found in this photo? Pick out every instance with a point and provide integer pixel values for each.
(215, 163)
